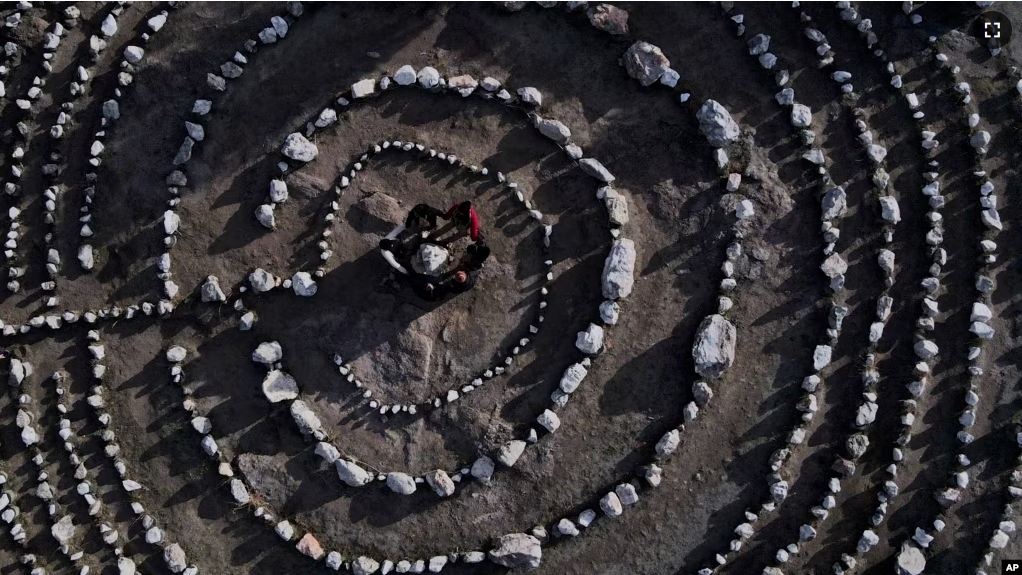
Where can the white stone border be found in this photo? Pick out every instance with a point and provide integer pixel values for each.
(111, 112)
(177, 179)
(173, 555)
(832, 205)
(980, 330)
(51, 41)
(857, 441)
(105, 524)
(304, 285)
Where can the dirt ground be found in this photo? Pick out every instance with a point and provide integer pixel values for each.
(407, 350)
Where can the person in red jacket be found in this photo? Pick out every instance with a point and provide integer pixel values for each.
(463, 216)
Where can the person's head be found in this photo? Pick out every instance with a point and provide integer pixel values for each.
(460, 277)
(387, 245)
(463, 209)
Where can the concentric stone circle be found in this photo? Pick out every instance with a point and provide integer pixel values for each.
(933, 345)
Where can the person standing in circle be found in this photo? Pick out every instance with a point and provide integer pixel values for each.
(464, 218)
(423, 217)
(462, 281)
(476, 253)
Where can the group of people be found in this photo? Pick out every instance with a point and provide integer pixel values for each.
(423, 222)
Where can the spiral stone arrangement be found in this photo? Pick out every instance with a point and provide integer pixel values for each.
(719, 331)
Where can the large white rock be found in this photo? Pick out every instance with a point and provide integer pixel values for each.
(834, 203)
(298, 148)
(261, 280)
(590, 341)
(714, 348)
(441, 483)
(834, 266)
(926, 349)
(554, 130)
(303, 284)
(549, 420)
(618, 270)
(821, 356)
(428, 77)
(211, 290)
(365, 566)
(279, 386)
(363, 88)
(268, 353)
(264, 215)
(109, 26)
(645, 62)
(801, 115)
(980, 312)
(134, 54)
(307, 421)
(171, 221)
(86, 257)
(401, 483)
(63, 530)
(278, 191)
(517, 551)
(405, 75)
(911, 560)
(175, 558)
(716, 124)
(592, 167)
(431, 259)
(889, 209)
(573, 377)
(352, 474)
(176, 354)
(510, 452)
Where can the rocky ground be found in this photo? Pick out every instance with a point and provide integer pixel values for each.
(713, 270)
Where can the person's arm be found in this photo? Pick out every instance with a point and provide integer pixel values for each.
(474, 227)
(450, 212)
(393, 262)
(397, 232)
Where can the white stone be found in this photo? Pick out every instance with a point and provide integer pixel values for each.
(298, 148)
(279, 386)
(590, 341)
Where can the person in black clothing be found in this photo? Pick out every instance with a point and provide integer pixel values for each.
(462, 281)
(428, 288)
(477, 253)
(423, 217)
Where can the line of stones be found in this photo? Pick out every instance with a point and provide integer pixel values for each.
(9, 510)
(49, 44)
(20, 145)
(102, 519)
(241, 494)
(59, 523)
(304, 285)
(833, 205)
(111, 112)
(177, 179)
(856, 443)
(1006, 526)
(925, 349)
(980, 316)
(173, 555)
(53, 168)
(10, 47)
